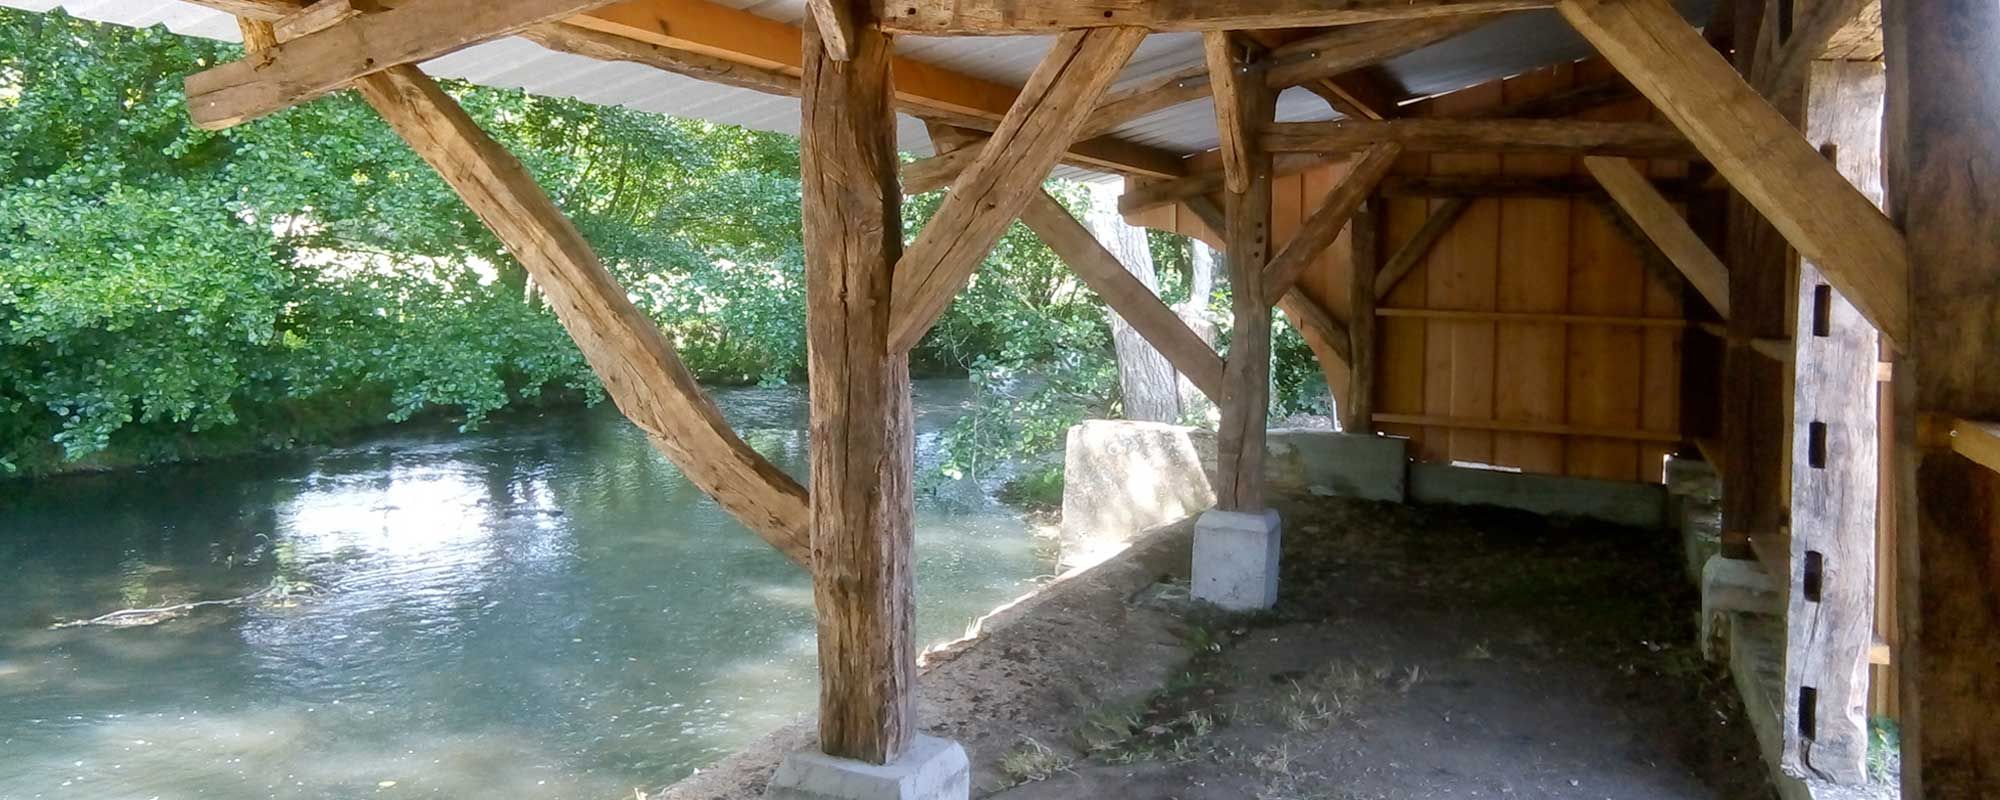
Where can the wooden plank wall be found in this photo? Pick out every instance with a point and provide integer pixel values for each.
(1466, 381)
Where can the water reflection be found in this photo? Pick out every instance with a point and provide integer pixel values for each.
(540, 609)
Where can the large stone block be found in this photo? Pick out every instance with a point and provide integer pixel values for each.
(930, 769)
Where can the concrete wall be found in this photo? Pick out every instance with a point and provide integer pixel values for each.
(1122, 477)
(1641, 505)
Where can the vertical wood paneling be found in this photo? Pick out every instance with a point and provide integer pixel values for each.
(1534, 255)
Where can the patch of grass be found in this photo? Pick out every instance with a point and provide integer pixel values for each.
(1032, 761)
(1885, 748)
(1039, 489)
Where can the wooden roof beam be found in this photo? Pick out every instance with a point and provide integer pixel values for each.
(712, 42)
(1632, 139)
(1006, 17)
(1668, 230)
(328, 59)
(1011, 165)
(1769, 162)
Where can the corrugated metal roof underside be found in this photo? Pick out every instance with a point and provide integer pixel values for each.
(1509, 46)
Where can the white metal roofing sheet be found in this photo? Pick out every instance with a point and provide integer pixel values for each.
(1510, 46)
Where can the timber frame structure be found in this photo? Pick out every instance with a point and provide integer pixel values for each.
(1737, 169)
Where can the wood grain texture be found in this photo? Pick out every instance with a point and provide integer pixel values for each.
(1411, 255)
(1756, 148)
(862, 446)
(1125, 294)
(1240, 437)
(638, 367)
(1665, 226)
(991, 193)
(308, 67)
(1943, 131)
(1444, 135)
(1319, 230)
(1534, 255)
(1224, 64)
(1010, 17)
(1357, 415)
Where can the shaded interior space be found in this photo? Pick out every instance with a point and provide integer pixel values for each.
(1415, 651)
(1426, 651)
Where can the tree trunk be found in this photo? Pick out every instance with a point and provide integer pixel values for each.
(1201, 291)
(1145, 378)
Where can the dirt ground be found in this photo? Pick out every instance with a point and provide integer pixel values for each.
(1416, 652)
(1424, 652)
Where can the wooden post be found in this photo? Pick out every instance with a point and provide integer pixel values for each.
(1829, 618)
(1359, 415)
(1240, 442)
(1943, 131)
(862, 451)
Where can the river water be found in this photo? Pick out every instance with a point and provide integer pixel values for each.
(543, 608)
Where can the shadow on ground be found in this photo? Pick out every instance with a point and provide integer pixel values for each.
(1422, 652)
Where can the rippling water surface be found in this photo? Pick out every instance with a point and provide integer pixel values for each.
(543, 608)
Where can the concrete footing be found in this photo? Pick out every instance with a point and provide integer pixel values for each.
(1236, 559)
(931, 769)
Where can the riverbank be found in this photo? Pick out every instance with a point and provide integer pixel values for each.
(1415, 652)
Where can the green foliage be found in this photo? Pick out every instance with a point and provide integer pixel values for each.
(167, 291)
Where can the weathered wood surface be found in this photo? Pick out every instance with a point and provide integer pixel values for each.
(1364, 259)
(1631, 139)
(1319, 230)
(862, 445)
(1239, 480)
(1226, 73)
(1125, 294)
(1756, 148)
(1835, 465)
(1413, 252)
(991, 193)
(639, 368)
(1664, 225)
(1007, 17)
(1782, 76)
(321, 62)
(1944, 161)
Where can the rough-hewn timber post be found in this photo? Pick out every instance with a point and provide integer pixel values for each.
(1754, 387)
(1830, 611)
(1359, 415)
(861, 436)
(1247, 373)
(1943, 131)
(1236, 544)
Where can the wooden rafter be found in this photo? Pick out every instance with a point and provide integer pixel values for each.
(1411, 254)
(639, 368)
(1137, 305)
(1078, 248)
(1336, 53)
(1665, 226)
(1823, 216)
(329, 58)
(1632, 139)
(722, 44)
(1319, 230)
(1005, 17)
(991, 193)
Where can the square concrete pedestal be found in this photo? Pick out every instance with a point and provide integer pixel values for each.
(1236, 559)
(930, 769)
